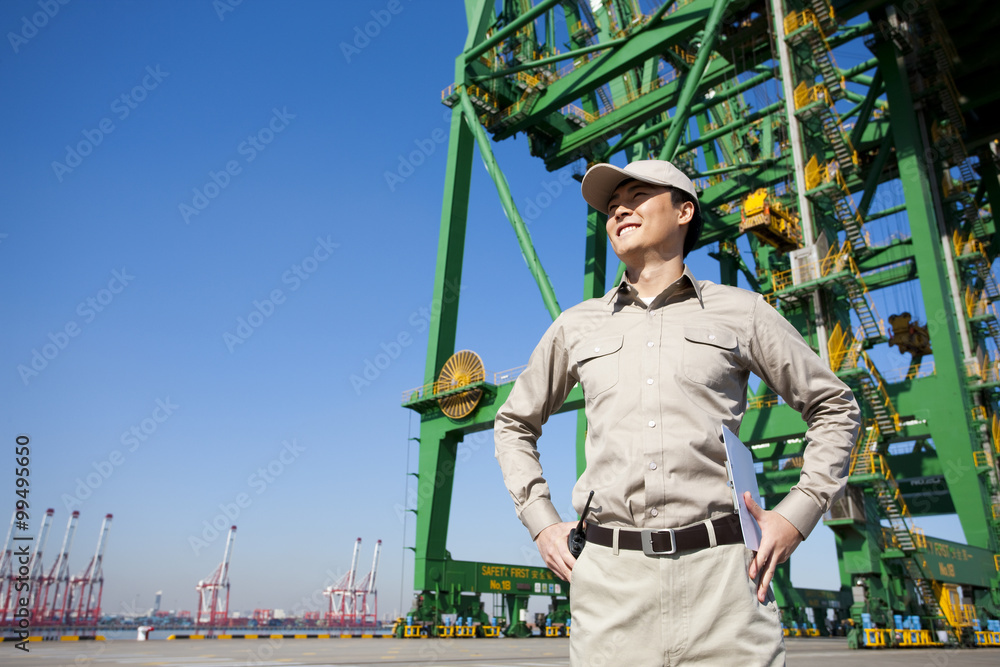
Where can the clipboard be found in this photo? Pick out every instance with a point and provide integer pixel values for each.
(742, 477)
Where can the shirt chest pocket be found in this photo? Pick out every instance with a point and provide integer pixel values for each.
(597, 362)
(709, 354)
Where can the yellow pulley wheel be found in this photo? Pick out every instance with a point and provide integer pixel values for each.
(461, 370)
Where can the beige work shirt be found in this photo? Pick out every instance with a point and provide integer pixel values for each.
(659, 382)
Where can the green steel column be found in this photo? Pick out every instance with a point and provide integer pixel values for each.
(691, 81)
(949, 417)
(523, 237)
(451, 247)
(795, 138)
(874, 172)
(434, 487)
(767, 139)
(711, 154)
(595, 262)
(728, 269)
(865, 110)
(436, 458)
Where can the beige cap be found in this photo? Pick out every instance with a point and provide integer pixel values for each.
(600, 181)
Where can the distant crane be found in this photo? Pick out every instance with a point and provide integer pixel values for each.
(341, 594)
(7, 572)
(36, 574)
(213, 608)
(366, 596)
(352, 604)
(81, 587)
(57, 580)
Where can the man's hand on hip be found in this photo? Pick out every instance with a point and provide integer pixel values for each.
(552, 544)
(778, 539)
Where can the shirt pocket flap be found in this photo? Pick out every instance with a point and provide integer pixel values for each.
(599, 347)
(716, 337)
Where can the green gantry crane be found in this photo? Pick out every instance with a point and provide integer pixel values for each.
(792, 179)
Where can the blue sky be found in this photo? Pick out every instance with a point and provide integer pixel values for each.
(200, 247)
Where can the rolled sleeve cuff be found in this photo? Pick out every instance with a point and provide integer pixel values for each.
(539, 515)
(800, 510)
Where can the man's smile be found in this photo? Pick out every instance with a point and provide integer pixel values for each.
(627, 228)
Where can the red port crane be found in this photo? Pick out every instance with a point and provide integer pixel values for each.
(353, 602)
(56, 581)
(81, 591)
(213, 607)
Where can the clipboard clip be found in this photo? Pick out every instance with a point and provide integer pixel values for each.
(732, 487)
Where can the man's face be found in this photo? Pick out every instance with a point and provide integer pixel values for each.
(642, 221)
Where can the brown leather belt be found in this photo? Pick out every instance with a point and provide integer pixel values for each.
(670, 540)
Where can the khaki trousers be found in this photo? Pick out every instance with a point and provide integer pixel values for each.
(695, 608)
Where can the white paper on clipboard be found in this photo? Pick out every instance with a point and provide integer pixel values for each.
(742, 477)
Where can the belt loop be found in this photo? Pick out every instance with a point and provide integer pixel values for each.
(614, 541)
(710, 527)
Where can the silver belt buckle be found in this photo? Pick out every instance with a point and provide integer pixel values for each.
(647, 542)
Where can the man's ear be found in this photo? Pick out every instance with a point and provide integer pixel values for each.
(686, 213)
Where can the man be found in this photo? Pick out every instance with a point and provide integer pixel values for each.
(663, 360)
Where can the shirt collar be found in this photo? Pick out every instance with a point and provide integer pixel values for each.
(625, 288)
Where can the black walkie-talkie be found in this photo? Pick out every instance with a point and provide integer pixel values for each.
(578, 535)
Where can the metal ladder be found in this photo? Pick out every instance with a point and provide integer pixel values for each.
(858, 296)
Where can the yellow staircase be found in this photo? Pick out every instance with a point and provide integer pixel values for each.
(805, 26)
(836, 192)
(972, 250)
(824, 16)
(873, 466)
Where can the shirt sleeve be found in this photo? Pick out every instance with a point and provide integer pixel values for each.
(538, 392)
(786, 363)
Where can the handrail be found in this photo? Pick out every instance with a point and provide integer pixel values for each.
(805, 95)
(765, 401)
(995, 433)
(430, 389)
(880, 384)
(836, 346)
(796, 20)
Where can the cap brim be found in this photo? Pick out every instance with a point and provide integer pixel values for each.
(599, 184)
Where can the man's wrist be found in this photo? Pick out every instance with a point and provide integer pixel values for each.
(800, 510)
(538, 516)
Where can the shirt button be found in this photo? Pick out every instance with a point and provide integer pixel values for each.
(653, 512)
(649, 344)
(649, 380)
(597, 349)
(651, 423)
(652, 465)
(711, 336)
